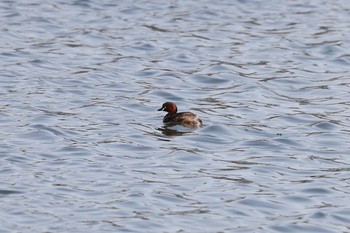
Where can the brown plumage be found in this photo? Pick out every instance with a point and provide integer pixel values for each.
(186, 119)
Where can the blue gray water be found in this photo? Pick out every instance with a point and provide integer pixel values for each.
(83, 148)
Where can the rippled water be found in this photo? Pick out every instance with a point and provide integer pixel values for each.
(83, 148)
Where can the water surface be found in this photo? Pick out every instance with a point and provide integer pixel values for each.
(83, 148)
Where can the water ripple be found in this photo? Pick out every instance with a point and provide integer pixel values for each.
(83, 146)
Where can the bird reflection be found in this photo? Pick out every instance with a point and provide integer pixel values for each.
(175, 130)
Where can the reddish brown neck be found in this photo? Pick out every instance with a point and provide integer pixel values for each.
(171, 108)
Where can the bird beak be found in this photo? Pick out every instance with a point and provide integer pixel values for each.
(160, 109)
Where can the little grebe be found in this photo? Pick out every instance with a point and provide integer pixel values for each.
(186, 119)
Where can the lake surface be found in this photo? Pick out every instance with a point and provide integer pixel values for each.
(83, 148)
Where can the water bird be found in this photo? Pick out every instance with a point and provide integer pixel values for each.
(186, 119)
